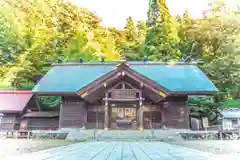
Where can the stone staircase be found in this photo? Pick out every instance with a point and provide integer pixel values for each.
(124, 135)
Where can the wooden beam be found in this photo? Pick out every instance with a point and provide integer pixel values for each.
(180, 93)
(123, 71)
(55, 93)
(111, 99)
(156, 96)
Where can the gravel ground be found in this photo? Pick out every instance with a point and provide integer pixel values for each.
(14, 147)
(214, 146)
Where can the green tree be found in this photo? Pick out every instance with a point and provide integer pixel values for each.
(141, 30)
(130, 30)
(186, 17)
(162, 39)
(130, 41)
(35, 32)
(217, 36)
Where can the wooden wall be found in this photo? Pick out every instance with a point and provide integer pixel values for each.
(152, 120)
(72, 114)
(176, 113)
(40, 123)
(10, 122)
(95, 117)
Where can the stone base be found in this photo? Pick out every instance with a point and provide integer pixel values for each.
(124, 135)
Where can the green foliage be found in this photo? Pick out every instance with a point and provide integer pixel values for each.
(131, 45)
(130, 30)
(230, 104)
(219, 39)
(49, 102)
(141, 30)
(204, 106)
(162, 40)
(35, 32)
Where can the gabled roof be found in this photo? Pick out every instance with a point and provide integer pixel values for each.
(175, 78)
(14, 101)
(70, 78)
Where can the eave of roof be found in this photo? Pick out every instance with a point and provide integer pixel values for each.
(14, 101)
(15, 92)
(228, 114)
(41, 114)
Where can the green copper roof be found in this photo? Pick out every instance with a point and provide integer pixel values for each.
(180, 78)
(72, 77)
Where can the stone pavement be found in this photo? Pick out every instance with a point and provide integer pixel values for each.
(120, 151)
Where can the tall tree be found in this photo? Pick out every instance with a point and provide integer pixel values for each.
(186, 17)
(187, 46)
(162, 38)
(141, 30)
(158, 12)
(130, 29)
(135, 35)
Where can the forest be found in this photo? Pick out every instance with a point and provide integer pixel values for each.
(36, 33)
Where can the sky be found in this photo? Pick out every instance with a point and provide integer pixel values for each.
(115, 12)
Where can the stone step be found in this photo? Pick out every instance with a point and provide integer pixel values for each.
(102, 135)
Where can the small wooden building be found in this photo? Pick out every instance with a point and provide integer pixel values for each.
(39, 120)
(13, 104)
(230, 120)
(19, 110)
(124, 95)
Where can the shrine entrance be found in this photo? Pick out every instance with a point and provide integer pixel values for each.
(123, 116)
(122, 107)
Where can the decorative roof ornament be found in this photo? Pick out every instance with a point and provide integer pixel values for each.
(81, 60)
(145, 58)
(59, 60)
(123, 61)
(102, 59)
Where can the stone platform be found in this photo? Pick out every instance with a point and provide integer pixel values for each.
(121, 151)
(124, 135)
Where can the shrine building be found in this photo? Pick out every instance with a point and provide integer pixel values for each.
(108, 95)
(124, 95)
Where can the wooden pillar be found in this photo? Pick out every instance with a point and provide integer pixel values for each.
(141, 127)
(106, 115)
(60, 115)
(141, 118)
(85, 118)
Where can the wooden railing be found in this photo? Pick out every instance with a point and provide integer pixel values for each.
(16, 134)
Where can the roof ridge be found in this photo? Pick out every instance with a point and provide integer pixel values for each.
(127, 62)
